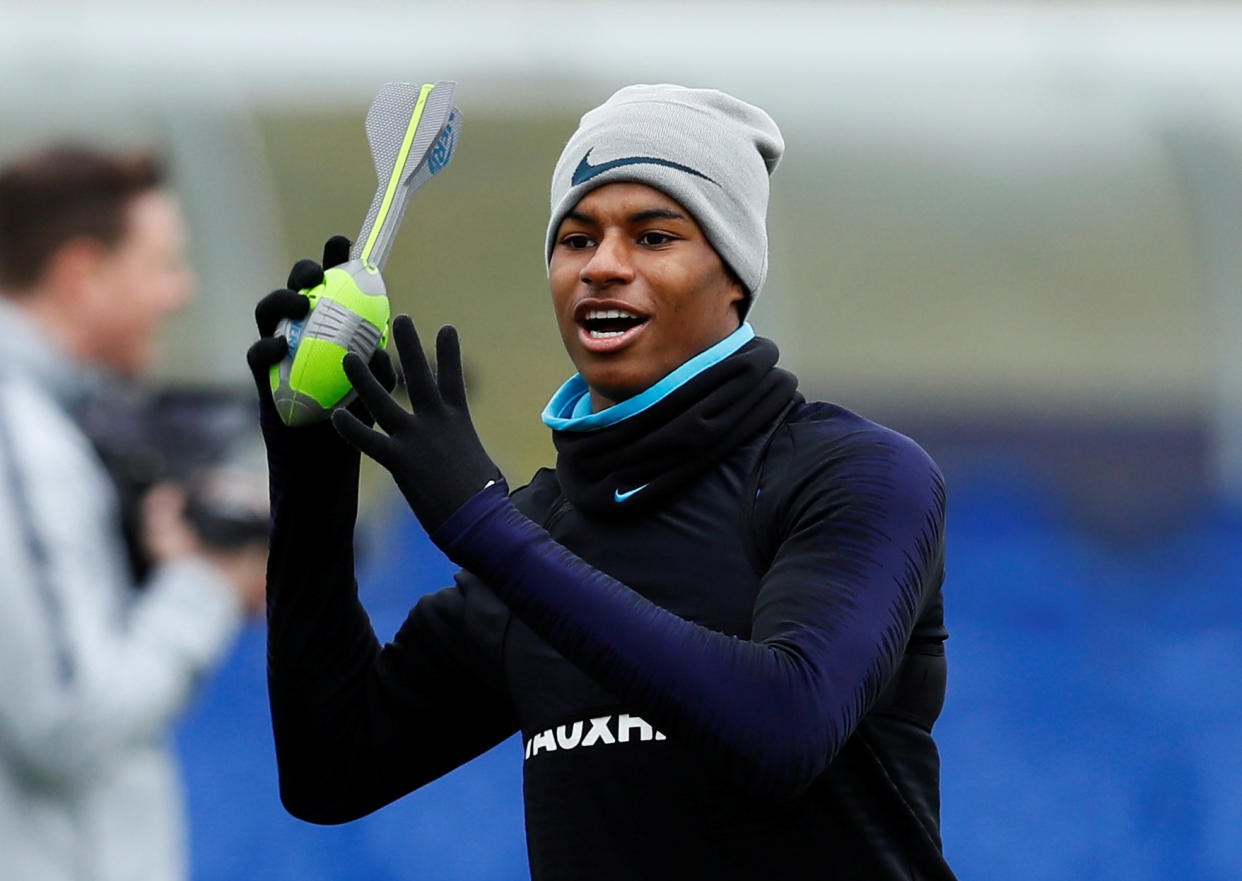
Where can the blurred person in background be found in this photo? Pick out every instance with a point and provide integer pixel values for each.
(717, 623)
(95, 665)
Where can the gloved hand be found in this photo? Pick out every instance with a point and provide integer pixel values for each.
(434, 453)
(268, 350)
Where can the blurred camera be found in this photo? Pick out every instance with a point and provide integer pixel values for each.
(204, 439)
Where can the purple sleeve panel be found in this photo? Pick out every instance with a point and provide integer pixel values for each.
(859, 544)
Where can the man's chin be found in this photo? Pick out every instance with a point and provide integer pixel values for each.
(612, 387)
(130, 364)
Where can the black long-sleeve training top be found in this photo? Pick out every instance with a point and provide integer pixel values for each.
(732, 672)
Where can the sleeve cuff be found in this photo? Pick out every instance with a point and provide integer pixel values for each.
(478, 507)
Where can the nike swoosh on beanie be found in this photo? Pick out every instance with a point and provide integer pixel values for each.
(585, 170)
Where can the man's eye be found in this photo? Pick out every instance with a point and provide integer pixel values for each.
(576, 241)
(654, 238)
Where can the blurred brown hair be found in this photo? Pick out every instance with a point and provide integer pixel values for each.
(61, 193)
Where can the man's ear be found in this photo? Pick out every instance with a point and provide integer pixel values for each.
(739, 297)
(74, 267)
(742, 307)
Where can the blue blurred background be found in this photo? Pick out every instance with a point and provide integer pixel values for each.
(1010, 230)
(1091, 729)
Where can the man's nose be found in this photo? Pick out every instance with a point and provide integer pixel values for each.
(610, 263)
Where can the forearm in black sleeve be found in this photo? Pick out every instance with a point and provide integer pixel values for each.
(830, 622)
(357, 725)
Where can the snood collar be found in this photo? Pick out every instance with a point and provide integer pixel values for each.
(629, 464)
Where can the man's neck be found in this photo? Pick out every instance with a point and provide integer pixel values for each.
(55, 320)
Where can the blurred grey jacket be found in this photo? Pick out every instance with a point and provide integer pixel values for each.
(92, 672)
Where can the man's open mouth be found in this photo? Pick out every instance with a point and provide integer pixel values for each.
(603, 324)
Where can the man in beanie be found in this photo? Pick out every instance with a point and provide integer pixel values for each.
(717, 623)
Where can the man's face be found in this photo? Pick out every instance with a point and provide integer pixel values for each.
(637, 289)
(137, 283)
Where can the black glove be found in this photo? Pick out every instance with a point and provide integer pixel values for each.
(434, 453)
(267, 351)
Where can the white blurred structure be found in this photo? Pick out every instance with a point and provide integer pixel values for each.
(313, 52)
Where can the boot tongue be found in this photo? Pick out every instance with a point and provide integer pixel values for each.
(628, 465)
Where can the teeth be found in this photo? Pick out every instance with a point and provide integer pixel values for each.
(600, 314)
(604, 334)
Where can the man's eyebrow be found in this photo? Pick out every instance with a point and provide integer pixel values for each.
(637, 217)
(656, 214)
(580, 217)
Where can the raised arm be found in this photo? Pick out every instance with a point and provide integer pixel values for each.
(861, 550)
(356, 724)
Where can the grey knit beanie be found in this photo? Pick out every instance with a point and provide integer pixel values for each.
(707, 150)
